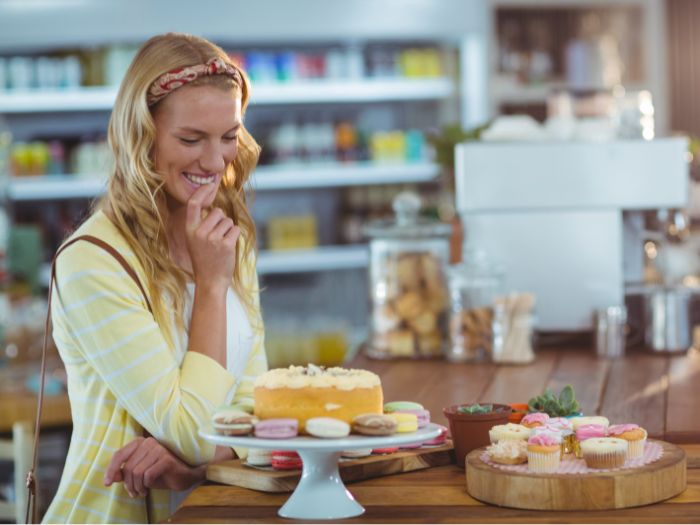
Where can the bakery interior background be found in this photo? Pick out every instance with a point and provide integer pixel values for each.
(365, 101)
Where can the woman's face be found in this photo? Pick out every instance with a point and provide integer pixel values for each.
(196, 139)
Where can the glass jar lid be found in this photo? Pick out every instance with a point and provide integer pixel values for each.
(406, 223)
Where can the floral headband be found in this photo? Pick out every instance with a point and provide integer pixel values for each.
(181, 76)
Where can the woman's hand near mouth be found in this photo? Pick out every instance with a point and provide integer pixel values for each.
(211, 242)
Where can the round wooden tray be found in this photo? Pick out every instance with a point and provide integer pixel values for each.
(618, 489)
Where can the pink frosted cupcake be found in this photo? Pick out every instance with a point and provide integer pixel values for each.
(585, 432)
(635, 436)
(566, 428)
(544, 452)
(536, 419)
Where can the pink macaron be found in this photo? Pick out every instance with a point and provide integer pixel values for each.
(277, 428)
(422, 414)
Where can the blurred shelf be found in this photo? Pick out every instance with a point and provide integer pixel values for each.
(508, 93)
(323, 258)
(369, 90)
(54, 187)
(321, 91)
(335, 174)
(319, 259)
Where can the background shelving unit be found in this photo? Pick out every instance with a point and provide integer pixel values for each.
(303, 282)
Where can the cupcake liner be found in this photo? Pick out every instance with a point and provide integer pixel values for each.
(612, 459)
(543, 461)
(635, 449)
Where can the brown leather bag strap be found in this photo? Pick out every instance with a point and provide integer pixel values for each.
(32, 510)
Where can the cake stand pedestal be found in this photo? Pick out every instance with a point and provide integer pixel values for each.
(321, 493)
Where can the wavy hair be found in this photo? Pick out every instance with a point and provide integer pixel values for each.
(135, 197)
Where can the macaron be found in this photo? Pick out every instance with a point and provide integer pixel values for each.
(374, 425)
(327, 427)
(405, 422)
(233, 422)
(422, 414)
(259, 457)
(385, 450)
(285, 460)
(396, 406)
(357, 453)
(277, 428)
(438, 440)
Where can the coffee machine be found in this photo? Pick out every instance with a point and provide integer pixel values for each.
(565, 219)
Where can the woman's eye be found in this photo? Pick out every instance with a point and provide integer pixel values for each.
(230, 139)
(188, 141)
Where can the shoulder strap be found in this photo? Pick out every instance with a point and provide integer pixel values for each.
(32, 510)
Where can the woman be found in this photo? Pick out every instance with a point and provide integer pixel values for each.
(142, 384)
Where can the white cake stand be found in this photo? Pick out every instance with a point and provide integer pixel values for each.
(321, 494)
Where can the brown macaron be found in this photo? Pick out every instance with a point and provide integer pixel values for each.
(231, 422)
(374, 425)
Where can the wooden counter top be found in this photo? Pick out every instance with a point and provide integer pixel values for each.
(436, 495)
(659, 392)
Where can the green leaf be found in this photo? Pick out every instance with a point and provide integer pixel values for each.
(551, 407)
(566, 396)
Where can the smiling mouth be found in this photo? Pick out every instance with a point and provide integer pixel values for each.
(198, 179)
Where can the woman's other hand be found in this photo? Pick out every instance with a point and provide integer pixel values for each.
(144, 463)
(211, 242)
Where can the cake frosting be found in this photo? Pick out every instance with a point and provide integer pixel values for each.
(535, 417)
(317, 377)
(507, 449)
(590, 431)
(616, 430)
(545, 439)
(560, 423)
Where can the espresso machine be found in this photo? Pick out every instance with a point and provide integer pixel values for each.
(566, 218)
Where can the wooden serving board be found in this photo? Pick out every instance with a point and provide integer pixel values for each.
(234, 472)
(618, 489)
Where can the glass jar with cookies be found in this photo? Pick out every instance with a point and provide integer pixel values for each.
(475, 324)
(409, 298)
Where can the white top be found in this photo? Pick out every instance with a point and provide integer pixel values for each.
(239, 334)
(239, 344)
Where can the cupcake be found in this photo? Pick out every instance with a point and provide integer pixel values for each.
(508, 452)
(635, 436)
(509, 431)
(554, 432)
(544, 452)
(536, 419)
(604, 452)
(566, 428)
(585, 432)
(589, 420)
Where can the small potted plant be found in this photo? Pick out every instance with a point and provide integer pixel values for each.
(470, 425)
(563, 405)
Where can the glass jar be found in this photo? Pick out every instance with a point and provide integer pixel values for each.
(409, 298)
(476, 314)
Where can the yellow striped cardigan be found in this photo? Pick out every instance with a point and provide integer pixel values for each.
(123, 378)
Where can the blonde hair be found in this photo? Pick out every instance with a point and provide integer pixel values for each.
(135, 196)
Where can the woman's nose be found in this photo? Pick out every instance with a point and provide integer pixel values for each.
(212, 159)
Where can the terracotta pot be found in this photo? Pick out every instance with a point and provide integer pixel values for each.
(471, 431)
(519, 411)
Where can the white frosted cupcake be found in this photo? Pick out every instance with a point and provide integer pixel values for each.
(508, 452)
(509, 431)
(635, 436)
(604, 453)
(544, 452)
(589, 420)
